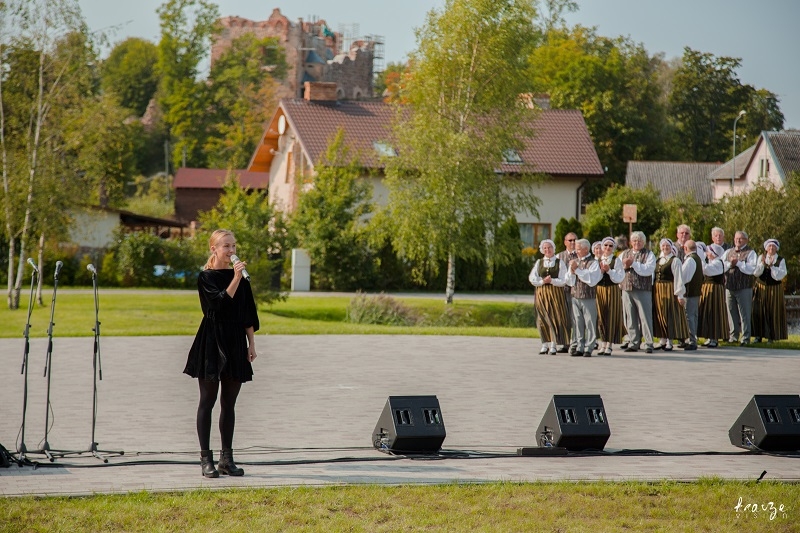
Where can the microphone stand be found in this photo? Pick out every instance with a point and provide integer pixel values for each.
(22, 448)
(48, 366)
(98, 371)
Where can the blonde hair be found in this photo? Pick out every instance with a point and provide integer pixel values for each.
(212, 241)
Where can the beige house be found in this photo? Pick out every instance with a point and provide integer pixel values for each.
(301, 130)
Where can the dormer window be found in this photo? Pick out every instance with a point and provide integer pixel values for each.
(384, 149)
(512, 157)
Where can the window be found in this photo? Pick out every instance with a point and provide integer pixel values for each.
(512, 157)
(384, 149)
(763, 168)
(533, 234)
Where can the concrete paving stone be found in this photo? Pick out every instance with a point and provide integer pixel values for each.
(316, 399)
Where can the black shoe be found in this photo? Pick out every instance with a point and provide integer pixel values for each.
(227, 466)
(623, 345)
(757, 339)
(690, 347)
(562, 349)
(587, 353)
(607, 352)
(649, 349)
(207, 464)
(573, 350)
(631, 348)
(712, 344)
(576, 353)
(744, 342)
(667, 347)
(682, 345)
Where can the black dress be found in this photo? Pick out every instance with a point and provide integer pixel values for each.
(220, 346)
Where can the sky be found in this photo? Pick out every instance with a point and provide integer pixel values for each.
(763, 34)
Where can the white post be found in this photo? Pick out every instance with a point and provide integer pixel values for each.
(301, 270)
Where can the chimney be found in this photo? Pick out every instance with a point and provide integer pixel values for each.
(320, 91)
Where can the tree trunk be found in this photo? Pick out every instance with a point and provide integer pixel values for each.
(11, 253)
(451, 278)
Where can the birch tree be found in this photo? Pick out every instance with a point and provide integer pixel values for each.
(463, 116)
(34, 76)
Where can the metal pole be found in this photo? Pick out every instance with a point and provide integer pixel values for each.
(733, 177)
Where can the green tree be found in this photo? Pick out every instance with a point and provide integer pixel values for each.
(511, 274)
(388, 83)
(604, 216)
(705, 99)
(780, 221)
(47, 62)
(328, 221)
(615, 83)
(243, 96)
(129, 72)
(684, 209)
(565, 226)
(464, 115)
(260, 234)
(186, 30)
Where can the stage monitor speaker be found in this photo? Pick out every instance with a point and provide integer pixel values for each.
(410, 425)
(769, 422)
(575, 422)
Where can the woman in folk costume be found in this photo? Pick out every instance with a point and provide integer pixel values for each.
(669, 317)
(769, 306)
(597, 250)
(713, 312)
(610, 326)
(549, 275)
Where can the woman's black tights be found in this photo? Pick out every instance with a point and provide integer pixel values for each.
(227, 416)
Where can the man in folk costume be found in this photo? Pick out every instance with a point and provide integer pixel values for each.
(692, 270)
(740, 265)
(683, 234)
(566, 256)
(639, 264)
(584, 273)
(718, 237)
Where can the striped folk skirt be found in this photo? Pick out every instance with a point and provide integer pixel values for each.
(712, 314)
(669, 317)
(610, 325)
(769, 311)
(552, 315)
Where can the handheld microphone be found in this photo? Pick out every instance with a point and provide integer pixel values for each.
(59, 264)
(33, 265)
(90, 267)
(235, 260)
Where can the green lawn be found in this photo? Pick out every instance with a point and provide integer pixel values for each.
(178, 313)
(707, 505)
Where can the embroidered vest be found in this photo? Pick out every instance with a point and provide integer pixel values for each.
(664, 272)
(734, 278)
(549, 271)
(633, 281)
(695, 285)
(581, 289)
(766, 276)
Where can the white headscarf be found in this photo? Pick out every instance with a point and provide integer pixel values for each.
(716, 249)
(671, 245)
(772, 241)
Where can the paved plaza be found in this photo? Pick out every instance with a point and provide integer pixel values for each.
(308, 416)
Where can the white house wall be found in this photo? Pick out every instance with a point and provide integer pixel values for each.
(93, 229)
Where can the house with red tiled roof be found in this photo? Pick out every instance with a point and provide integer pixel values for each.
(301, 130)
(199, 189)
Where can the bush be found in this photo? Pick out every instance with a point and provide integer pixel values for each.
(138, 254)
(380, 309)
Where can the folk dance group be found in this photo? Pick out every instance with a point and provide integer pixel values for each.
(589, 297)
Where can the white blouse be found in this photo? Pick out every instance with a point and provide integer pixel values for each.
(616, 273)
(777, 272)
(536, 279)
